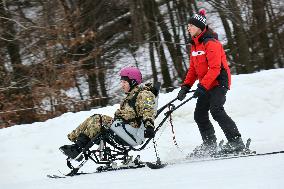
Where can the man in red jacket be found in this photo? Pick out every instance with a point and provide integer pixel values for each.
(208, 64)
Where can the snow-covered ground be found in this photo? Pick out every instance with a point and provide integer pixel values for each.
(256, 102)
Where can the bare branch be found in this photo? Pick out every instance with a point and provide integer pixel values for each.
(12, 20)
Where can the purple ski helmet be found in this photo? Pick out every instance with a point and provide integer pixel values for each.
(132, 73)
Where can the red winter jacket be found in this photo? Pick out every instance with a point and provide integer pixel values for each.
(208, 62)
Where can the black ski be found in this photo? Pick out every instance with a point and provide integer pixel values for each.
(55, 176)
(100, 169)
(196, 160)
(158, 165)
(65, 176)
(152, 165)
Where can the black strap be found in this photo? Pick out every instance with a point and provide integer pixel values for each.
(132, 104)
(123, 126)
(155, 89)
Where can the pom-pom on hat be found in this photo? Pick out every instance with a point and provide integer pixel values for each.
(199, 20)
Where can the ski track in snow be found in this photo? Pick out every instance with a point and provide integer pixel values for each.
(256, 103)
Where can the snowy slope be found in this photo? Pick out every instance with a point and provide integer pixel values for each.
(255, 102)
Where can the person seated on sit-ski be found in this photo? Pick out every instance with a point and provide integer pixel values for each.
(132, 122)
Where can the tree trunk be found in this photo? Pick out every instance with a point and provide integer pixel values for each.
(261, 29)
(176, 36)
(101, 77)
(181, 14)
(278, 47)
(150, 16)
(174, 51)
(92, 81)
(242, 46)
(164, 66)
(153, 64)
(136, 20)
(224, 18)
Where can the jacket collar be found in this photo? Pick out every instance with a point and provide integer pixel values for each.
(133, 90)
(206, 34)
(198, 39)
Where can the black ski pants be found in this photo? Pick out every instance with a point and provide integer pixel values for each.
(214, 101)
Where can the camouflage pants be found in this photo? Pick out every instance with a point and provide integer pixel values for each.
(91, 126)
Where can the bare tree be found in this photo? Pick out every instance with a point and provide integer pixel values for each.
(150, 11)
(20, 95)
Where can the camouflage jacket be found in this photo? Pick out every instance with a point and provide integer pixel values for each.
(144, 108)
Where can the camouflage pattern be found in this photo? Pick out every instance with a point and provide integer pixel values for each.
(91, 126)
(145, 109)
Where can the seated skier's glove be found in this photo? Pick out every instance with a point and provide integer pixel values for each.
(183, 91)
(149, 132)
(200, 91)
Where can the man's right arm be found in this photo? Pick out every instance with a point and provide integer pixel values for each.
(191, 75)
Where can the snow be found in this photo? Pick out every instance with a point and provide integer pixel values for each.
(255, 102)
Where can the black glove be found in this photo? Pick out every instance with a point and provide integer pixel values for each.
(183, 91)
(200, 91)
(149, 132)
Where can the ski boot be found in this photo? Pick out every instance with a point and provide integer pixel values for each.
(204, 150)
(208, 147)
(234, 147)
(73, 151)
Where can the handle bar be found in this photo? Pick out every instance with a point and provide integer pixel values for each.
(170, 103)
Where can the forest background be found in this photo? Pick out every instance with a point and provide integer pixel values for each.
(60, 56)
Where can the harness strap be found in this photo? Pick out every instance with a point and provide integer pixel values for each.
(123, 126)
(132, 103)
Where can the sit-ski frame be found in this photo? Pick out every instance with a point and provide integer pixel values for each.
(105, 155)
